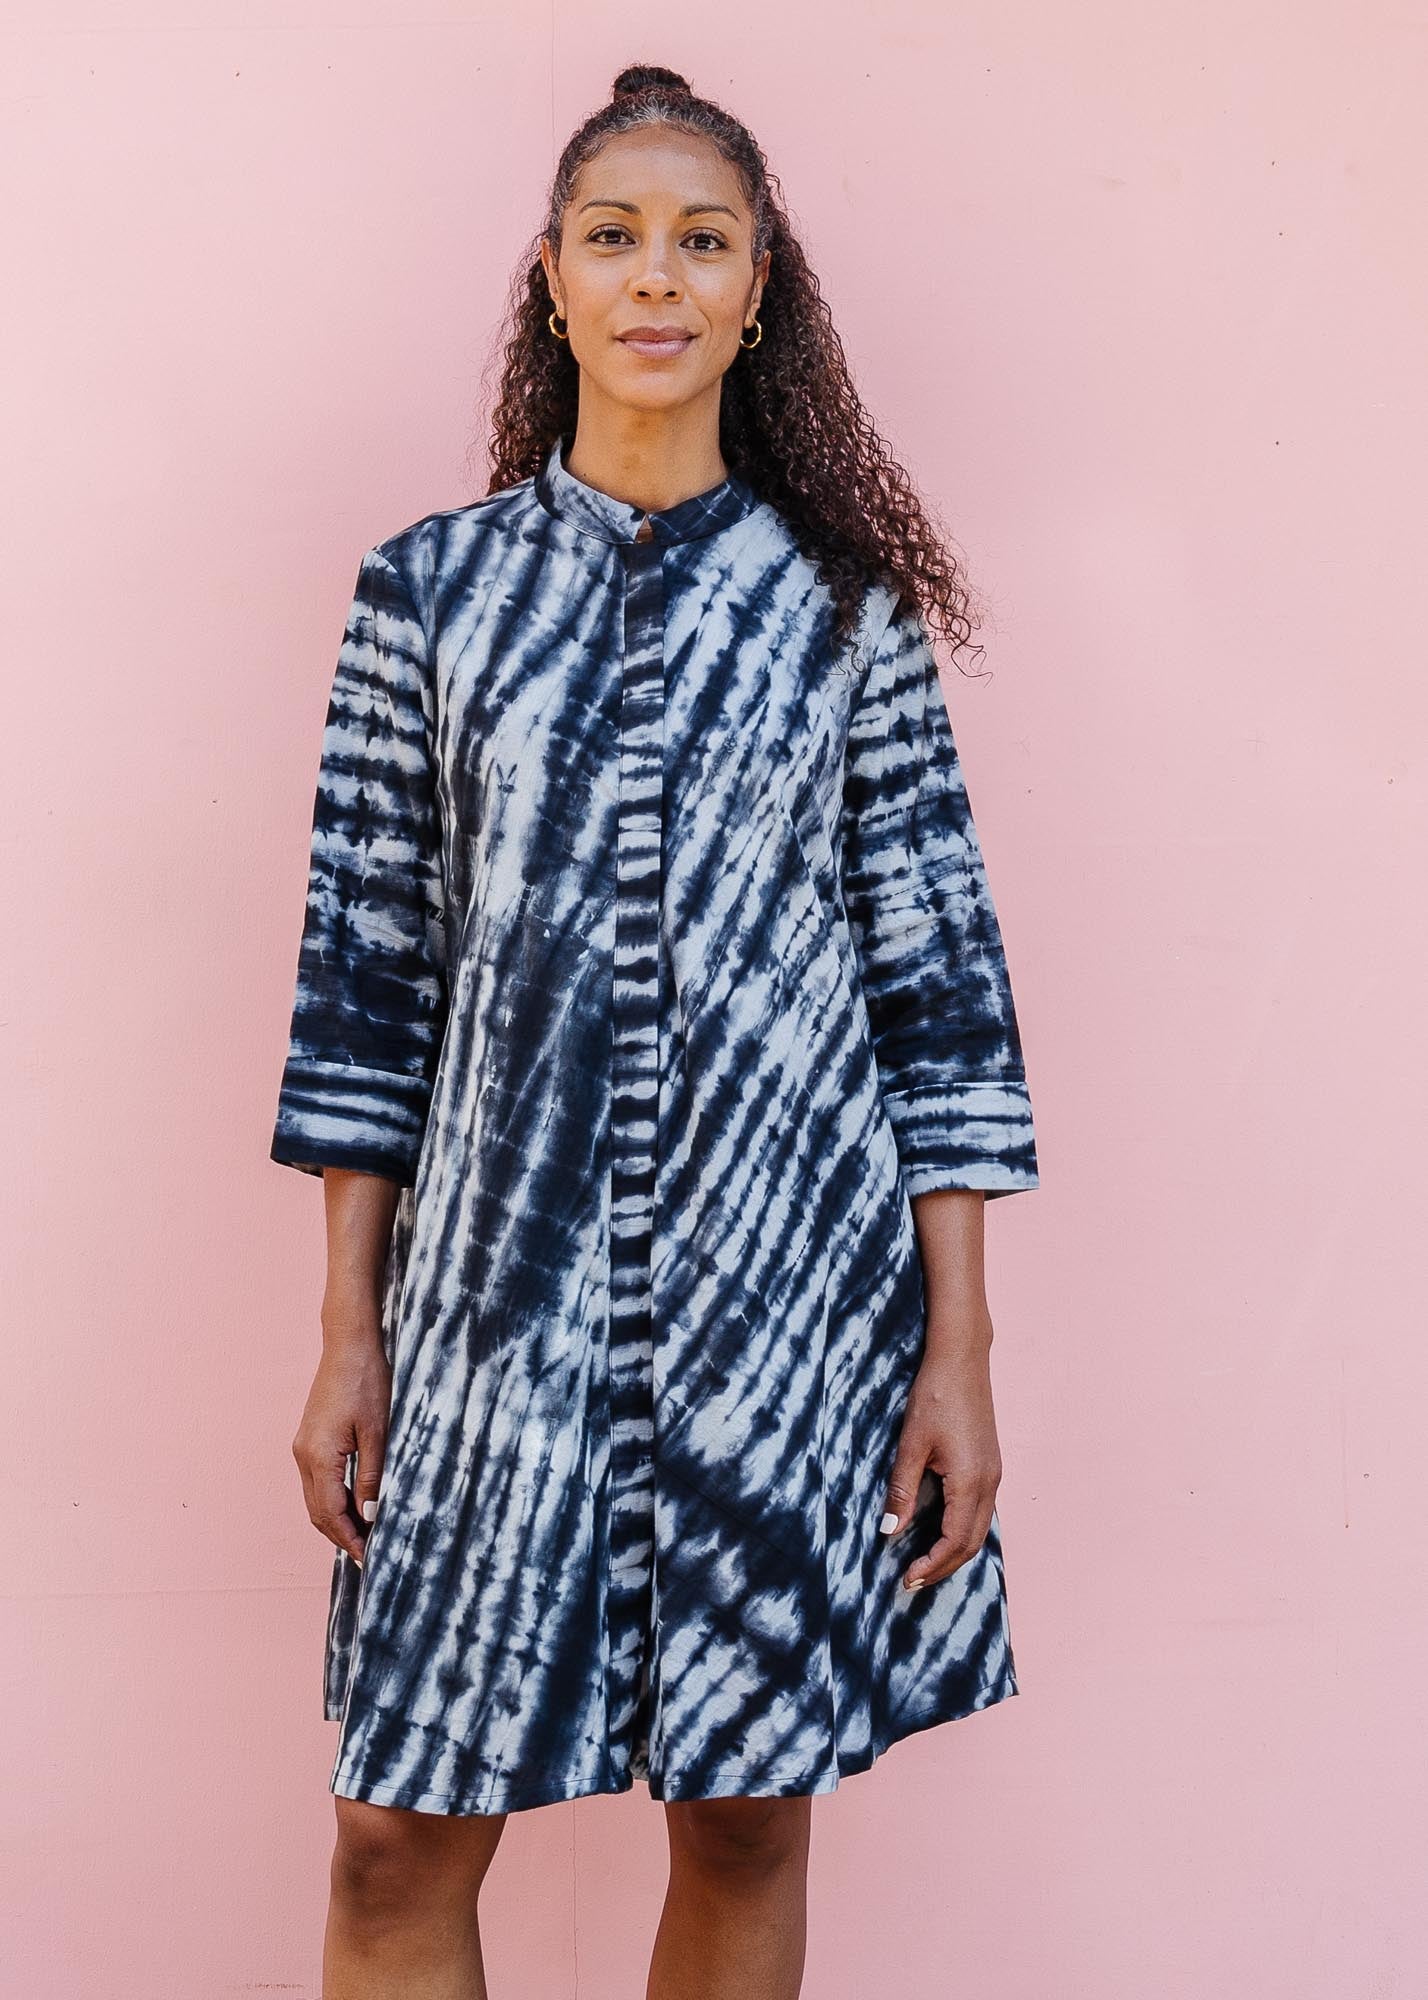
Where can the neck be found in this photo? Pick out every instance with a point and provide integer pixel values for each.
(650, 459)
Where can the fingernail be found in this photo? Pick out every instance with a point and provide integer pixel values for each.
(369, 1510)
(358, 1561)
(913, 1583)
(887, 1523)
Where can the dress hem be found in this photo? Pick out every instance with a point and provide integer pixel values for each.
(561, 1791)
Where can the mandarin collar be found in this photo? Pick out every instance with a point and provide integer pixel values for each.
(610, 520)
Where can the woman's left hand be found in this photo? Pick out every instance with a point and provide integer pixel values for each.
(949, 1429)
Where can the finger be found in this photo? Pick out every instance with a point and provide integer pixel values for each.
(966, 1518)
(367, 1487)
(900, 1494)
(331, 1507)
(302, 1452)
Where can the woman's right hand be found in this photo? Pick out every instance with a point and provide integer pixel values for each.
(350, 1403)
(348, 1409)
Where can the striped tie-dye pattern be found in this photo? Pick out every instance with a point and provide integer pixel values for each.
(649, 947)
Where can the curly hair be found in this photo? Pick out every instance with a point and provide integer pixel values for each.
(790, 420)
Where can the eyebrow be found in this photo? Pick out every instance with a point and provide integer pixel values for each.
(690, 207)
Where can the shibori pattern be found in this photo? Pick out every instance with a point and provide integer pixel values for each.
(648, 946)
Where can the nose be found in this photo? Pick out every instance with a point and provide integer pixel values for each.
(657, 274)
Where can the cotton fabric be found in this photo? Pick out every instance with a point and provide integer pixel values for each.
(648, 946)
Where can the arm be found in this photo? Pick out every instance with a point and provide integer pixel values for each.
(932, 966)
(349, 1404)
(949, 1425)
(945, 1033)
(370, 1006)
(368, 1018)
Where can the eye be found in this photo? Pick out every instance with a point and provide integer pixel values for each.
(707, 239)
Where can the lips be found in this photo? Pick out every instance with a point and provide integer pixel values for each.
(657, 342)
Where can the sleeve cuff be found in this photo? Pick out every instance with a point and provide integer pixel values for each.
(966, 1133)
(338, 1115)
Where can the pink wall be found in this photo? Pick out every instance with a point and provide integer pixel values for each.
(1138, 294)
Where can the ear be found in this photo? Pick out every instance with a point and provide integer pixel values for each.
(761, 277)
(548, 266)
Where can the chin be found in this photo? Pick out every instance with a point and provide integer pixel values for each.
(649, 395)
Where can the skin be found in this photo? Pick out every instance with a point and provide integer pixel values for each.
(658, 232)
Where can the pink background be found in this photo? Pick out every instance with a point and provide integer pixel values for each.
(1137, 294)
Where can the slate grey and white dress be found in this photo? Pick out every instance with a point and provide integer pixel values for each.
(648, 946)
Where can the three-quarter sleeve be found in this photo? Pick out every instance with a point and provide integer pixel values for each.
(370, 1008)
(928, 943)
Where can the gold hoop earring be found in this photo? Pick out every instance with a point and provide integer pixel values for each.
(749, 345)
(556, 330)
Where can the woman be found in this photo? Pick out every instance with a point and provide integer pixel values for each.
(654, 1039)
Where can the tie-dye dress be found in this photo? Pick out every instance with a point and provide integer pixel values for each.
(648, 946)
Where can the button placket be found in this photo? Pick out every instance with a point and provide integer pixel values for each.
(626, 1542)
(634, 1126)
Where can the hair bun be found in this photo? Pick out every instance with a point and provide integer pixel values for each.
(648, 76)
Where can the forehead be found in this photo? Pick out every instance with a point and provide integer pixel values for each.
(659, 170)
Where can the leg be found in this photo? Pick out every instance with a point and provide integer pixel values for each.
(402, 1923)
(734, 1924)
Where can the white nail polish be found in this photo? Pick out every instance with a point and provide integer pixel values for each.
(887, 1524)
(369, 1510)
(916, 1583)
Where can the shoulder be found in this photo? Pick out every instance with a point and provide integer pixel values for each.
(778, 547)
(890, 630)
(878, 614)
(430, 551)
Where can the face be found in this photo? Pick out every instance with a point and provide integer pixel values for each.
(658, 237)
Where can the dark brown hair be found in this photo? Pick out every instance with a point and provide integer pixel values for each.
(790, 419)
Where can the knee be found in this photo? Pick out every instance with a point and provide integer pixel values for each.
(741, 1836)
(373, 1857)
